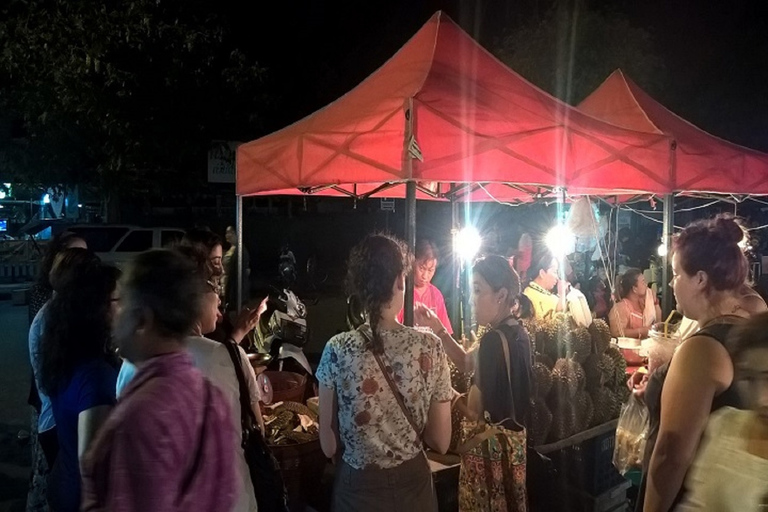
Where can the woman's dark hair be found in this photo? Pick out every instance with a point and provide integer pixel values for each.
(628, 281)
(424, 246)
(711, 246)
(68, 263)
(55, 246)
(203, 238)
(752, 334)
(77, 323)
(197, 256)
(498, 273)
(543, 261)
(169, 284)
(526, 307)
(373, 266)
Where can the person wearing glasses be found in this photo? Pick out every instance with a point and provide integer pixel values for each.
(170, 443)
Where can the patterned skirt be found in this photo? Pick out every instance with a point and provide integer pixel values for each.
(492, 477)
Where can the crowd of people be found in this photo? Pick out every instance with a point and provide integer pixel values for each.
(138, 410)
(140, 394)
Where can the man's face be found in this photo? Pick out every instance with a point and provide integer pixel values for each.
(550, 276)
(424, 271)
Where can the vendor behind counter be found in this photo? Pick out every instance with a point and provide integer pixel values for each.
(545, 278)
(424, 292)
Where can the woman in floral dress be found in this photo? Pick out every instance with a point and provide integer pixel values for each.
(373, 432)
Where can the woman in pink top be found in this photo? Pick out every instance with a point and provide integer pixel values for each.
(170, 443)
(637, 311)
(424, 292)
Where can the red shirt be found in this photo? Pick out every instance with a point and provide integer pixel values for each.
(433, 299)
(168, 446)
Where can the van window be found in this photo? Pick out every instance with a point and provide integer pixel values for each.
(170, 237)
(137, 241)
(100, 239)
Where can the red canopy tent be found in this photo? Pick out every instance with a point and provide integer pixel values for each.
(699, 161)
(443, 118)
(447, 114)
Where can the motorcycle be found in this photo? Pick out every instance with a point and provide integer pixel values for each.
(287, 269)
(282, 333)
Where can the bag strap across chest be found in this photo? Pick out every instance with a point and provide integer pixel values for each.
(365, 332)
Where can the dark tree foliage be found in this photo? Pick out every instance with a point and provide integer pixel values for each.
(573, 47)
(125, 96)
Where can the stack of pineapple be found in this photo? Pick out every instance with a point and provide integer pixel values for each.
(578, 378)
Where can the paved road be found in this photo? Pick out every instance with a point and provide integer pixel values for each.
(14, 411)
(14, 364)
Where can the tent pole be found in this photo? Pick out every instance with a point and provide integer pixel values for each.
(668, 230)
(410, 238)
(456, 268)
(239, 251)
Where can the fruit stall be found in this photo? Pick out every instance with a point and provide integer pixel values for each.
(579, 378)
(579, 386)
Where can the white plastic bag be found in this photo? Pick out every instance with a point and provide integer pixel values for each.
(631, 436)
(579, 308)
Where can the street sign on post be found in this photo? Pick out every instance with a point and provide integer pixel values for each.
(221, 161)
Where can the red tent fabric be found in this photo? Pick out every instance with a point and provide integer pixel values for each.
(700, 162)
(444, 111)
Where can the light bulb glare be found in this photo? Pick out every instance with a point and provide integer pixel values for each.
(467, 243)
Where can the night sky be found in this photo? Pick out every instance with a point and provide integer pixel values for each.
(715, 52)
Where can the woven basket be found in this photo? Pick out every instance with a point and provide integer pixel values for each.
(302, 467)
(287, 386)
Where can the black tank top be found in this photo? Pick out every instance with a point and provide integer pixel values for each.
(719, 331)
(501, 402)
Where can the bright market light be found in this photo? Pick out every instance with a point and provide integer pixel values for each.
(560, 241)
(2, 194)
(467, 243)
(662, 250)
(47, 199)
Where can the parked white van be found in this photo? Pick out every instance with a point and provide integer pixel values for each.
(118, 244)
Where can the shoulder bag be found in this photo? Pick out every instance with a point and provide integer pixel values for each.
(268, 485)
(493, 462)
